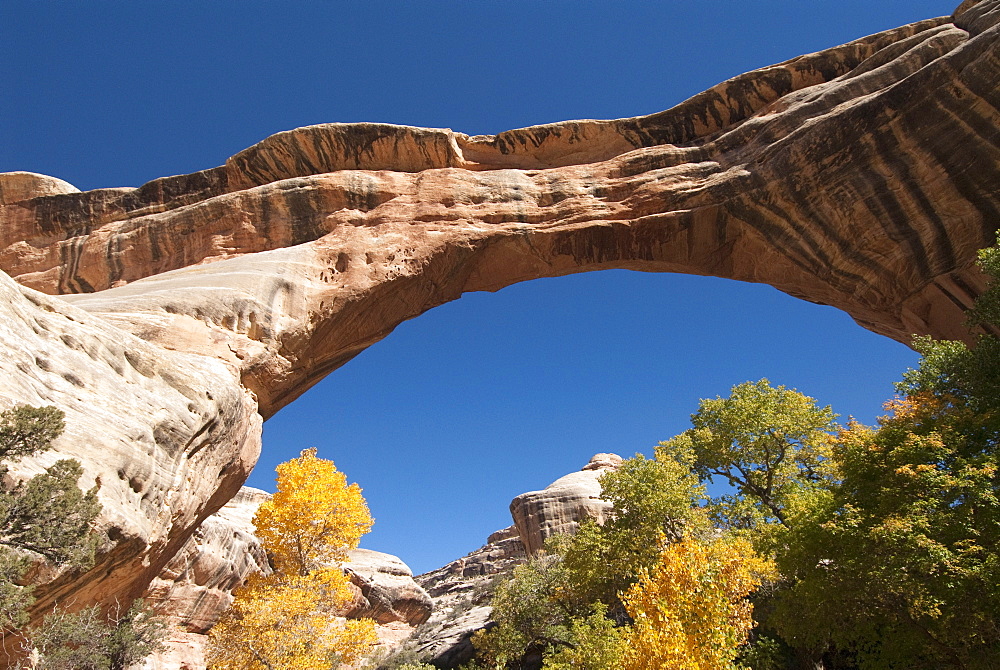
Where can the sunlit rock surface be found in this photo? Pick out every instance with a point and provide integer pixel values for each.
(167, 437)
(386, 590)
(563, 505)
(863, 177)
(462, 589)
(461, 593)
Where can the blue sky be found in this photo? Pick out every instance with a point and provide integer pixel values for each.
(476, 401)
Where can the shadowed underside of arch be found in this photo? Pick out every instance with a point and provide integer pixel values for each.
(862, 177)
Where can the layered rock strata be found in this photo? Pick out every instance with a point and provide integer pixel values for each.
(862, 177)
(563, 505)
(167, 437)
(461, 592)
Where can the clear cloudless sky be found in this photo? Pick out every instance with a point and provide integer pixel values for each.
(455, 413)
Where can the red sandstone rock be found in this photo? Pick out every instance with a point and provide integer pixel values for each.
(862, 177)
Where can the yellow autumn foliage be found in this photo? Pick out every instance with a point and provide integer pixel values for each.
(290, 623)
(691, 611)
(288, 619)
(314, 517)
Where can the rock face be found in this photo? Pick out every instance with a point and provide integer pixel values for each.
(196, 586)
(462, 589)
(21, 186)
(461, 593)
(167, 436)
(862, 177)
(386, 590)
(563, 505)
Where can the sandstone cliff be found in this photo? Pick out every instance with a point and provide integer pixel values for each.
(461, 590)
(862, 177)
(563, 505)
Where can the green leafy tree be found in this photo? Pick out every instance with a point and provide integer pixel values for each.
(771, 444)
(651, 498)
(26, 430)
(901, 566)
(962, 376)
(594, 643)
(47, 515)
(532, 613)
(50, 515)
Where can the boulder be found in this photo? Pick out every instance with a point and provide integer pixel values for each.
(386, 590)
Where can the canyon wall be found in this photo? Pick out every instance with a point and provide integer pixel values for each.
(168, 320)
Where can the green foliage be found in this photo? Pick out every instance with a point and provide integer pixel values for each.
(765, 653)
(965, 376)
(563, 606)
(771, 444)
(85, 640)
(50, 515)
(593, 643)
(531, 612)
(47, 514)
(28, 430)
(70, 640)
(901, 566)
(409, 665)
(134, 636)
(651, 497)
(14, 598)
(404, 657)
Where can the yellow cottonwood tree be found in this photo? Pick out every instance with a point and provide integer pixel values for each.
(691, 611)
(288, 619)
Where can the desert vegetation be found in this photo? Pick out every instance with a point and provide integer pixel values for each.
(839, 546)
(48, 519)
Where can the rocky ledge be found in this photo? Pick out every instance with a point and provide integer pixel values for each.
(168, 320)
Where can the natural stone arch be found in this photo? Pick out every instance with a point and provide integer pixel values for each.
(862, 177)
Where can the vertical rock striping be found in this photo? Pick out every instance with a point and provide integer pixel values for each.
(190, 308)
